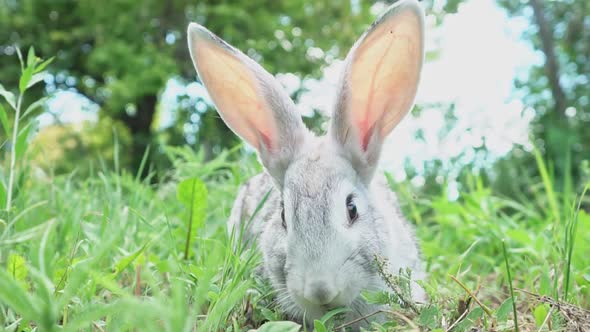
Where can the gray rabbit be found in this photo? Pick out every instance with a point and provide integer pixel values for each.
(328, 215)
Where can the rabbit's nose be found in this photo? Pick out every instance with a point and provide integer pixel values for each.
(320, 292)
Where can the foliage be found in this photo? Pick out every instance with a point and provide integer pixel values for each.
(31, 74)
(120, 54)
(57, 148)
(97, 250)
(557, 89)
(91, 252)
(88, 246)
(558, 130)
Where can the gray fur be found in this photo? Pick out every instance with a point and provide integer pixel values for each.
(309, 238)
(322, 259)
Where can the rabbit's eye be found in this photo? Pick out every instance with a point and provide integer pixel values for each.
(351, 207)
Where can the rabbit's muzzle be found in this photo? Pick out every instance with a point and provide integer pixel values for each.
(320, 292)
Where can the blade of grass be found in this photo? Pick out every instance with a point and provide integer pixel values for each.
(17, 298)
(570, 238)
(547, 184)
(511, 288)
(142, 164)
(12, 167)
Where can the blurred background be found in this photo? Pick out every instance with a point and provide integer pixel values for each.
(503, 78)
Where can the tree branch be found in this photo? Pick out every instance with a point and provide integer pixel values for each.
(551, 66)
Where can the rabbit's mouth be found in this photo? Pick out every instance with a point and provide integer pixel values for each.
(319, 309)
(309, 312)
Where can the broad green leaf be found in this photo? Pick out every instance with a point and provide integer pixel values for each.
(9, 96)
(318, 326)
(17, 267)
(193, 194)
(26, 235)
(107, 281)
(43, 64)
(282, 326)
(4, 120)
(44, 299)
(429, 317)
(328, 315)
(269, 314)
(124, 262)
(540, 312)
(379, 297)
(31, 58)
(36, 78)
(21, 141)
(15, 296)
(504, 311)
(25, 78)
(34, 106)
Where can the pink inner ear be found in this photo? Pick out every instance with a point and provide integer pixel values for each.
(384, 72)
(266, 140)
(366, 134)
(235, 90)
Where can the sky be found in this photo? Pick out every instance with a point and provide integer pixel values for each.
(481, 53)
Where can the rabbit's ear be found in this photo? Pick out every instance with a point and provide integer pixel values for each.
(250, 101)
(379, 83)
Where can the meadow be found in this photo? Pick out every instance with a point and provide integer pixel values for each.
(115, 251)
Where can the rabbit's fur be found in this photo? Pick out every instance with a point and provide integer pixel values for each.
(348, 257)
(338, 215)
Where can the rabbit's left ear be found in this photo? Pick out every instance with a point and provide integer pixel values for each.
(250, 101)
(379, 84)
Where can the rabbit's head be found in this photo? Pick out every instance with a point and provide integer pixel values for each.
(319, 249)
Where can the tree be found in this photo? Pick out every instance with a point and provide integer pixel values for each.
(559, 88)
(119, 54)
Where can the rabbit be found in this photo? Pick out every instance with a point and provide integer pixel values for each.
(327, 214)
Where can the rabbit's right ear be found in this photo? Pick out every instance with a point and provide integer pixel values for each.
(379, 83)
(250, 101)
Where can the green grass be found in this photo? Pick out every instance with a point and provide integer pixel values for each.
(112, 252)
(109, 252)
(108, 247)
